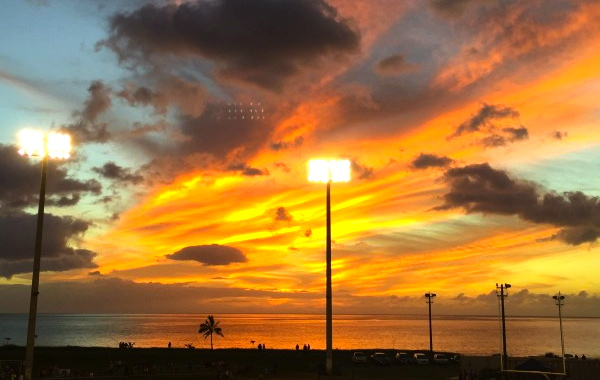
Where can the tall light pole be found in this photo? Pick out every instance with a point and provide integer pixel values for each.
(328, 171)
(54, 145)
(429, 297)
(560, 301)
(502, 293)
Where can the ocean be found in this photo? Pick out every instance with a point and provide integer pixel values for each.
(472, 335)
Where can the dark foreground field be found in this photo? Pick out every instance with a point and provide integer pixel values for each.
(178, 363)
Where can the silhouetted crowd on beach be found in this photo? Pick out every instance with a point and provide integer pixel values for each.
(305, 347)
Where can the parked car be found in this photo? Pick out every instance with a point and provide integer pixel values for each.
(359, 357)
(440, 359)
(403, 358)
(381, 358)
(420, 358)
(455, 358)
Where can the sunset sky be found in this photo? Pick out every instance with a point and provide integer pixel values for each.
(471, 126)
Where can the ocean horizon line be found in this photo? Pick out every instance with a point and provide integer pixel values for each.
(411, 315)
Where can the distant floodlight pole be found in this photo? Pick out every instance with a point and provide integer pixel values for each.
(503, 288)
(560, 301)
(429, 297)
(54, 145)
(328, 171)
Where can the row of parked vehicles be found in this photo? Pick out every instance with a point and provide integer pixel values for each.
(420, 358)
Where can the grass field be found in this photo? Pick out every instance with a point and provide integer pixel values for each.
(181, 363)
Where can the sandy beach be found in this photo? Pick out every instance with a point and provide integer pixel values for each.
(183, 363)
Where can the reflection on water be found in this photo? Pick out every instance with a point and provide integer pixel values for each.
(467, 335)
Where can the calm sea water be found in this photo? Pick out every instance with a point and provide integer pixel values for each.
(467, 335)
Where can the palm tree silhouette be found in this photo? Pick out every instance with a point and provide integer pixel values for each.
(210, 327)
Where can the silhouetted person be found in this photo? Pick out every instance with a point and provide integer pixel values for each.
(297, 347)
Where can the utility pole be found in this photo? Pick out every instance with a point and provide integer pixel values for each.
(560, 301)
(429, 297)
(502, 292)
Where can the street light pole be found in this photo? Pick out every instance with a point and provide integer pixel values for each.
(328, 292)
(56, 145)
(35, 276)
(429, 297)
(328, 171)
(502, 295)
(560, 301)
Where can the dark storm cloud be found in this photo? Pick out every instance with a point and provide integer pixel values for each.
(281, 214)
(213, 254)
(515, 134)
(87, 128)
(98, 101)
(247, 170)
(20, 183)
(251, 172)
(487, 122)
(394, 64)
(188, 95)
(480, 188)
(65, 201)
(263, 42)
(112, 171)
(557, 135)
(510, 135)
(213, 139)
(62, 184)
(216, 134)
(361, 171)
(16, 231)
(493, 141)
(138, 96)
(425, 161)
(72, 259)
(484, 118)
(18, 228)
(282, 145)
